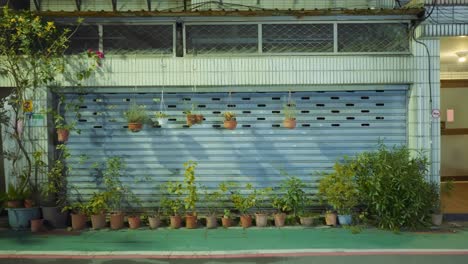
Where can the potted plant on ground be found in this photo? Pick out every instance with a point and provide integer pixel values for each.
(191, 195)
(79, 212)
(225, 196)
(211, 201)
(436, 192)
(134, 220)
(19, 217)
(243, 203)
(115, 189)
(161, 117)
(281, 205)
(289, 112)
(340, 190)
(295, 198)
(96, 207)
(172, 206)
(136, 116)
(330, 218)
(261, 195)
(230, 120)
(154, 219)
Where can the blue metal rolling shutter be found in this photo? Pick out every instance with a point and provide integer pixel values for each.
(330, 125)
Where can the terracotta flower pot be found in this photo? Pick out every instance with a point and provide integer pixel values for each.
(154, 221)
(199, 119)
(28, 203)
(37, 225)
(330, 219)
(280, 218)
(306, 220)
(62, 134)
(14, 204)
(116, 220)
(176, 221)
(226, 222)
(134, 222)
(211, 221)
(261, 220)
(191, 221)
(231, 124)
(191, 120)
(135, 127)
(289, 123)
(98, 221)
(78, 221)
(246, 221)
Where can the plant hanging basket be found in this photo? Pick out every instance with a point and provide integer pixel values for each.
(289, 123)
(135, 127)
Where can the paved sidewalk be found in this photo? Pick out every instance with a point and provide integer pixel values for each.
(229, 243)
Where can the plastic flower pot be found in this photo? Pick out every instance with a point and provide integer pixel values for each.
(176, 221)
(261, 220)
(134, 222)
(116, 220)
(162, 121)
(135, 127)
(280, 218)
(437, 219)
(37, 225)
(191, 221)
(345, 219)
(289, 123)
(62, 134)
(20, 218)
(330, 219)
(154, 221)
(54, 218)
(211, 221)
(246, 221)
(231, 124)
(306, 220)
(78, 221)
(98, 221)
(226, 222)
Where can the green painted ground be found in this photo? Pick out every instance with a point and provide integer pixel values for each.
(229, 239)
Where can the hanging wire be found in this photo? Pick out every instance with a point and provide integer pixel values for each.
(162, 105)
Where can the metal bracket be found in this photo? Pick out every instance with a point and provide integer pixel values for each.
(37, 4)
(148, 3)
(114, 5)
(78, 4)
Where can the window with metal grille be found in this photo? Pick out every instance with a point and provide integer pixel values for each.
(82, 39)
(368, 37)
(216, 39)
(283, 38)
(147, 39)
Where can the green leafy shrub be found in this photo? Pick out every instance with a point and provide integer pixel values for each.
(340, 189)
(393, 187)
(136, 114)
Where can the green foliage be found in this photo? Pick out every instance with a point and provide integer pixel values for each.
(392, 185)
(136, 114)
(244, 202)
(116, 191)
(227, 213)
(340, 189)
(76, 207)
(436, 191)
(189, 187)
(294, 198)
(229, 116)
(211, 200)
(161, 115)
(260, 198)
(14, 193)
(98, 203)
(174, 204)
(289, 110)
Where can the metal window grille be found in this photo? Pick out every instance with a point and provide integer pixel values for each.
(83, 38)
(281, 38)
(147, 39)
(216, 39)
(373, 37)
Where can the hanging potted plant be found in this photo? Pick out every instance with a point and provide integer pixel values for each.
(161, 117)
(244, 203)
(211, 202)
(172, 206)
(340, 190)
(191, 195)
(230, 120)
(62, 128)
(289, 112)
(193, 118)
(96, 207)
(136, 116)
